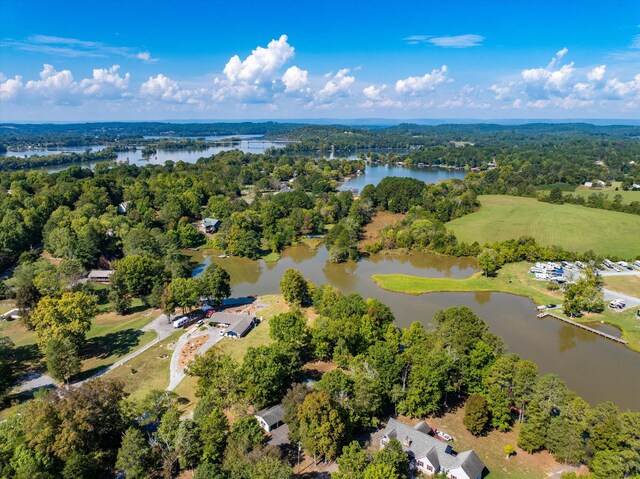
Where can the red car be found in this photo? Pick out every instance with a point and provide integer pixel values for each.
(210, 313)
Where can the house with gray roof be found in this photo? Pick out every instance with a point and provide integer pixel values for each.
(210, 225)
(241, 328)
(430, 455)
(270, 418)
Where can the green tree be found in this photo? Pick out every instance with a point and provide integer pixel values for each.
(290, 329)
(352, 462)
(216, 283)
(290, 404)
(214, 430)
(139, 273)
(209, 470)
(509, 450)
(134, 455)
(6, 365)
(294, 287)
(184, 292)
(476, 414)
(266, 371)
(119, 293)
(63, 361)
(322, 429)
(490, 261)
(393, 455)
(66, 318)
(381, 471)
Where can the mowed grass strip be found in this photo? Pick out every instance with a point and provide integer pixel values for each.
(624, 284)
(575, 228)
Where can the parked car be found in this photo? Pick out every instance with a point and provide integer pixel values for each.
(210, 312)
(196, 315)
(444, 436)
(551, 306)
(200, 323)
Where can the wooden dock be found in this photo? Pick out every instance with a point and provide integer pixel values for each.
(582, 326)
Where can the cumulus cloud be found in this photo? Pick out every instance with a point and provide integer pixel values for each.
(164, 88)
(418, 85)
(106, 83)
(374, 94)
(254, 78)
(261, 64)
(10, 88)
(295, 80)
(337, 87)
(597, 73)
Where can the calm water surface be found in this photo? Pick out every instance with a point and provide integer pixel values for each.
(375, 174)
(596, 368)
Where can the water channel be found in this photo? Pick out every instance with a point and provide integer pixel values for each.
(596, 368)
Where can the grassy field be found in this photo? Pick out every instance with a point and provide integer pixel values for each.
(572, 227)
(147, 371)
(513, 278)
(490, 449)
(624, 284)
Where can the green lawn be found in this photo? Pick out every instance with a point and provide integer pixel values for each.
(147, 371)
(573, 227)
(624, 284)
(627, 196)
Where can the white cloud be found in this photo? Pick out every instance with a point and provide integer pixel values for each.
(457, 41)
(164, 88)
(146, 57)
(295, 79)
(374, 94)
(622, 90)
(337, 87)
(10, 88)
(505, 91)
(452, 41)
(261, 65)
(427, 82)
(597, 73)
(75, 48)
(636, 42)
(106, 83)
(562, 52)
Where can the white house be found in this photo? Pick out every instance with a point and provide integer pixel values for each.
(270, 418)
(430, 455)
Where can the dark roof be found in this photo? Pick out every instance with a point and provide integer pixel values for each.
(271, 415)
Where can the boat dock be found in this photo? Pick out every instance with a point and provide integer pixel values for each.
(582, 326)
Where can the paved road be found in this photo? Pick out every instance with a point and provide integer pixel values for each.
(160, 325)
(177, 374)
(631, 301)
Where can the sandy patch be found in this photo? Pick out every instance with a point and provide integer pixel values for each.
(190, 349)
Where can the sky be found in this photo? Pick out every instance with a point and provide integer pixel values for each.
(298, 59)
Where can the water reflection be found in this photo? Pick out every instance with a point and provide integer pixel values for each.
(597, 369)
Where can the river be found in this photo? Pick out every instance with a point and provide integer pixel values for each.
(596, 368)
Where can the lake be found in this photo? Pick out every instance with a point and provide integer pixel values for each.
(596, 368)
(374, 174)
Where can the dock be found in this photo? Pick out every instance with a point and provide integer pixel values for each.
(582, 326)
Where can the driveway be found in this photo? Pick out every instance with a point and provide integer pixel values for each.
(176, 373)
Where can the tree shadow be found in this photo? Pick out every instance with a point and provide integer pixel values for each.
(118, 343)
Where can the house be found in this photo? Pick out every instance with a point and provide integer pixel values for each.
(210, 225)
(123, 207)
(594, 184)
(241, 328)
(270, 418)
(100, 275)
(430, 455)
(238, 325)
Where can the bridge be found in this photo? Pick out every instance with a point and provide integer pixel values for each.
(582, 326)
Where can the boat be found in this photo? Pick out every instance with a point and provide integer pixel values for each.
(223, 256)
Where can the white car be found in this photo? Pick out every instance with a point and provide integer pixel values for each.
(444, 436)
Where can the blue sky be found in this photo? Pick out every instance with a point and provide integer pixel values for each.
(140, 60)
